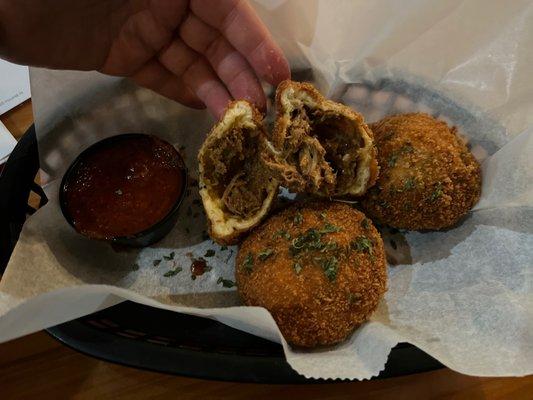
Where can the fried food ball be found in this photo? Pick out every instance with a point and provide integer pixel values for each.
(319, 268)
(428, 177)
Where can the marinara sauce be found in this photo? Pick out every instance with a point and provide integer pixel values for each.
(124, 186)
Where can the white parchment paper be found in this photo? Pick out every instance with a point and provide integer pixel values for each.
(463, 295)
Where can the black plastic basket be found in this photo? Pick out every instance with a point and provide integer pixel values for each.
(160, 340)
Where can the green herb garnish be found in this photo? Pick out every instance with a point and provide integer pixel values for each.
(312, 240)
(384, 204)
(263, 255)
(298, 218)
(392, 159)
(283, 233)
(330, 266)
(173, 272)
(209, 253)
(407, 148)
(437, 192)
(407, 206)
(170, 256)
(329, 228)
(227, 283)
(323, 215)
(365, 224)
(362, 244)
(248, 263)
(156, 263)
(410, 183)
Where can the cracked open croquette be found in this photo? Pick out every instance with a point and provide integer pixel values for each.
(319, 268)
(236, 189)
(319, 146)
(428, 178)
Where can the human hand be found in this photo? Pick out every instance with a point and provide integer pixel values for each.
(197, 52)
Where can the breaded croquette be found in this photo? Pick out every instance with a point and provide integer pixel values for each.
(428, 177)
(319, 268)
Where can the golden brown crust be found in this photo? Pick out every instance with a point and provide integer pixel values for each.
(428, 177)
(291, 98)
(311, 308)
(225, 226)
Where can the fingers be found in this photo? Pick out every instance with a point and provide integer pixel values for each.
(241, 26)
(140, 38)
(194, 71)
(229, 64)
(156, 77)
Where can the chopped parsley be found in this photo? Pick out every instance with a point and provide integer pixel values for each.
(298, 218)
(284, 234)
(172, 272)
(170, 256)
(393, 158)
(410, 183)
(312, 240)
(437, 192)
(330, 265)
(156, 263)
(407, 148)
(227, 283)
(365, 224)
(323, 215)
(329, 246)
(263, 255)
(248, 263)
(209, 253)
(329, 228)
(362, 244)
(384, 204)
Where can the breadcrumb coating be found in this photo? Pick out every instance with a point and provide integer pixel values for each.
(319, 268)
(428, 178)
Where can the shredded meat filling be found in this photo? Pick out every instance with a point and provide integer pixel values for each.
(319, 153)
(235, 174)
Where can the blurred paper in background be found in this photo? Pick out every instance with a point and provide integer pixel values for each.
(14, 85)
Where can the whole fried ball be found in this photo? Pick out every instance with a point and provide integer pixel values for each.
(428, 177)
(319, 268)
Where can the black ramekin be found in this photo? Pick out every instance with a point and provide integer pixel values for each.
(146, 237)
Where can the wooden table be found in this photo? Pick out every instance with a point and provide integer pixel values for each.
(39, 367)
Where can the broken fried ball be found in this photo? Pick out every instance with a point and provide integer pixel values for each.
(236, 189)
(319, 146)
